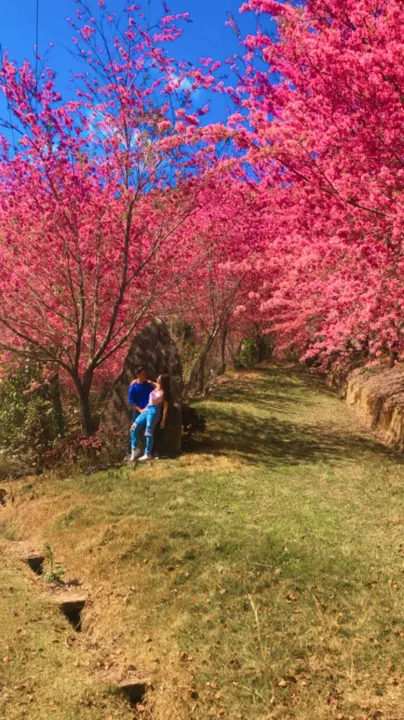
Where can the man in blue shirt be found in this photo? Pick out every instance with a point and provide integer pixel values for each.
(139, 392)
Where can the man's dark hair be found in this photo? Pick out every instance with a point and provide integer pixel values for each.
(140, 370)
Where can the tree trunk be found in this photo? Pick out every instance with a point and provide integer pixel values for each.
(86, 421)
(203, 358)
(201, 372)
(223, 351)
(393, 357)
(83, 389)
(261, 349)
(260, 343)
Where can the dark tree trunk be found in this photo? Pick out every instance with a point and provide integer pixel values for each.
(223, 340)
(201, 372)
(261, 349)
(86, 421)
(261, 344)
(393, 357)
(202, 361)
(83, 389)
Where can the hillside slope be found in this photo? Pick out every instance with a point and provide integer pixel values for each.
(259, 576)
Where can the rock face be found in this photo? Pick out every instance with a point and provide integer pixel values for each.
(154, 349)
(167, 442)
(377, 395)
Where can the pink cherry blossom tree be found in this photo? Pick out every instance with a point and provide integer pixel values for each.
(96, 192)
(324, 107)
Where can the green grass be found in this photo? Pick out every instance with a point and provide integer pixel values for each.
(260, 575)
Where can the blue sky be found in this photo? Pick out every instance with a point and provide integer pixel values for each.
(207, 35)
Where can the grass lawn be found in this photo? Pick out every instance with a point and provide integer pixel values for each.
(259, 576)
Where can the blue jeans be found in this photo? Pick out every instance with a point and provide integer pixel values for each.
(147, 420)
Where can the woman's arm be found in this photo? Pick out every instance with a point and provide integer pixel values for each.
(165, 411)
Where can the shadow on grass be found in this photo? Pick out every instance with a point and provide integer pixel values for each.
(278, 441)
(277, 383)
(263, 397)
(312, 380)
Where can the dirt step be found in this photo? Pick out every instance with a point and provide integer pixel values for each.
(71, 607)
(36, 562)
(135, 689)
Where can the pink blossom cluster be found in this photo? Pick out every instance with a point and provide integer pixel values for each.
(324, 132)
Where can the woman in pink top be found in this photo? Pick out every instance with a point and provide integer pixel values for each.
(159, 401)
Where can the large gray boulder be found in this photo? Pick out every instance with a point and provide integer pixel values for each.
(167, 442)
(154, 349)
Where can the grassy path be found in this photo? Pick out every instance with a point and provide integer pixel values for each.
(258, 577)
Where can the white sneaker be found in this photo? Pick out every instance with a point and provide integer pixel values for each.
(134, 454)
(145, 457)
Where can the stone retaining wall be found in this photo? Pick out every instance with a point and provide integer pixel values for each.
(377, 395)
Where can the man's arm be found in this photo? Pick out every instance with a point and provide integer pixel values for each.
(132, 397)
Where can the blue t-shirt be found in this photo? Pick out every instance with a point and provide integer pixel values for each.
(139, 394)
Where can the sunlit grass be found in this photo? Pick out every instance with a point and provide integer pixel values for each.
(43, 669)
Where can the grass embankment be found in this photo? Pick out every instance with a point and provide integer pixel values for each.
(258, 577)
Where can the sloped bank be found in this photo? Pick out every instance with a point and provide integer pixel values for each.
(377, 395)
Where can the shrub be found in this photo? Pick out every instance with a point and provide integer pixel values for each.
(193, 423)
(31, 417)
(254, 350)
(75, 452)
(13, 467)
(54, 571)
